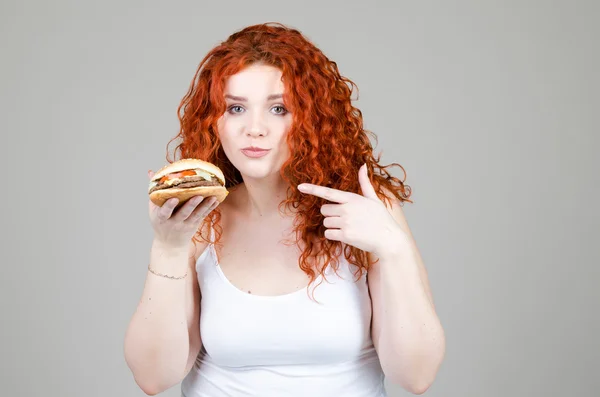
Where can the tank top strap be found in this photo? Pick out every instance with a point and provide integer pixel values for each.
(206, 263)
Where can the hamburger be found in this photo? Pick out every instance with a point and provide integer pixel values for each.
(185, 179)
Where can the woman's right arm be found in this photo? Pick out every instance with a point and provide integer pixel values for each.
(163, 336)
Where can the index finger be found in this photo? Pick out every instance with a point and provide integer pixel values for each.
(329, 194)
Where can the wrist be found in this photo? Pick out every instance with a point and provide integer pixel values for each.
(393, 247)
(168, 260)
(169, 249)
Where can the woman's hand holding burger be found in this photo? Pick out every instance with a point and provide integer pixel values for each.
(182, 194)
(174, 228)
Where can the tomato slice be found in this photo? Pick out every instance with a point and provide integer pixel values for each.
(177, 175)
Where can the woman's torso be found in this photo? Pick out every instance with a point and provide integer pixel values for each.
(263, 335)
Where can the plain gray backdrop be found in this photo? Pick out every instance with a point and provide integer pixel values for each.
(491, 106)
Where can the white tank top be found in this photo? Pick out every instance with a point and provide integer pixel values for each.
(286, 345)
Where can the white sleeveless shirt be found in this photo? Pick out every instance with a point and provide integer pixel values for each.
(285, 345)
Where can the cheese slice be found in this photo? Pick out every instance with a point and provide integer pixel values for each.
(205, 175)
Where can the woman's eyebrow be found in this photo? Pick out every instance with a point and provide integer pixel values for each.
(243, 99)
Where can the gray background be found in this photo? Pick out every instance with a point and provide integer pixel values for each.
(492, 108)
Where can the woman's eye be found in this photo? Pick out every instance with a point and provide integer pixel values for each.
(279, 110)
(236, 109)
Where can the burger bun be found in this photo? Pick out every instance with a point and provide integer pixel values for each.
(159, 197)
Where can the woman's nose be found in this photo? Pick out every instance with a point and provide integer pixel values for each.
(256, 127)
(255, 131)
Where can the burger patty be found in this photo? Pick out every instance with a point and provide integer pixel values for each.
(188, 181)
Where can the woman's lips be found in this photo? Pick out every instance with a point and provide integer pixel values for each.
(254, 152)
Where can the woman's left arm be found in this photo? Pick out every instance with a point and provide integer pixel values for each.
(406, 330)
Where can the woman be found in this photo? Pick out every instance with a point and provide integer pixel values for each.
(306, 280)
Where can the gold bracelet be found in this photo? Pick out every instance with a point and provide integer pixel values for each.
(165, 275)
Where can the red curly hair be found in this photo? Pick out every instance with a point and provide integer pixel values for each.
(327, 141)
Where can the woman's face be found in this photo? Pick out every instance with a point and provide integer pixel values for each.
(255, 119)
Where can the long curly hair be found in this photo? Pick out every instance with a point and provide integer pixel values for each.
(327, 141)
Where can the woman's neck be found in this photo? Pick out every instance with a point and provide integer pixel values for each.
(261, 198)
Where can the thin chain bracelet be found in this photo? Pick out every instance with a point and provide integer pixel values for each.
(166, 275)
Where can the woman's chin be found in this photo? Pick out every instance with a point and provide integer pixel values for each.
(256, 176)
(259, 174)
(258, 169)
